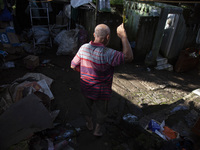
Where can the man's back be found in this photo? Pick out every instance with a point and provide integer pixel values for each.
(96, 69)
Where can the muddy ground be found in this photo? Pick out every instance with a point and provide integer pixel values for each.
(134, 91)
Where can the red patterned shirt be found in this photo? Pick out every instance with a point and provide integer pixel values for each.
(96, 63)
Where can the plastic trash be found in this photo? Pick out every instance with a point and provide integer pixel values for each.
(194, 55)
(130, 118)
(40, 34)
(169, 133)
(160, 134)
(68, 42)
(153, 126)
(50, 145)
(46, 61)
(148, 69)
(78, 129)
(61, 145)
(4, 53)
(162, 130)
(59, 36)
(179, 107)
(66, 135)
(45, 88)
(9, 64)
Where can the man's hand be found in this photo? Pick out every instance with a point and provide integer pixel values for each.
(127, 50)
(76, 68)
(121, 31)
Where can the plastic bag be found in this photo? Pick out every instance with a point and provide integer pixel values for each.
(67, 11)
(59, 36)
(40, 34)
(130, 118)
(82, 35)
(153, 126)
(77, 3)
(9, 64)
(68, 42)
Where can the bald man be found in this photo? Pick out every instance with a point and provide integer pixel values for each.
(96, 63)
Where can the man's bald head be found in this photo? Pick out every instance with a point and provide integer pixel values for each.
(101, 31)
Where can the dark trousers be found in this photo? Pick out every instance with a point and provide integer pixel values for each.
(98, 106)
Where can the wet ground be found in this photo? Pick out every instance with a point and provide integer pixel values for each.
(143, 92)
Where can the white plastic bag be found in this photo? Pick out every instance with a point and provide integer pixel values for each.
(68, 42)
(59, 36)
(40, 34)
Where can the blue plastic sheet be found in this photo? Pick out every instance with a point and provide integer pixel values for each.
(153, 126)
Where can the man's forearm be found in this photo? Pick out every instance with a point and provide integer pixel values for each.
(127, 50)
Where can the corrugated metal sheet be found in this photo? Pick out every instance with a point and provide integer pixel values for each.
(140, 26)
(113, 20)
(145, 35)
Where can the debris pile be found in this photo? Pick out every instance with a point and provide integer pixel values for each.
(26, 118)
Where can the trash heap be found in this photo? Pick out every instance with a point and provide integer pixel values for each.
(26, 118)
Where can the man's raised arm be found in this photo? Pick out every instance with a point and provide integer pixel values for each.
(127, 50)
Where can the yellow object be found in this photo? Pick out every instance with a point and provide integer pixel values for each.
(124, 17)
(124, 13)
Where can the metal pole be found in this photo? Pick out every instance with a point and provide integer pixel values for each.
(96, 11)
